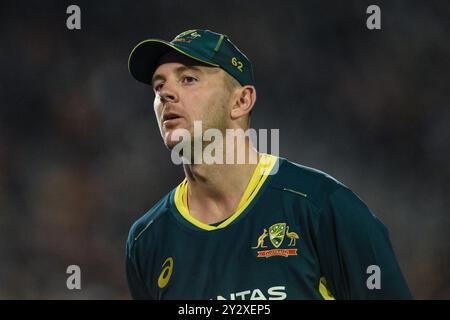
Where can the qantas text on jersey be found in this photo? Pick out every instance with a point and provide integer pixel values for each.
(273, 293)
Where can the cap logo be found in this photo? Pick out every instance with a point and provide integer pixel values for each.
(187, 36)
(184, 33)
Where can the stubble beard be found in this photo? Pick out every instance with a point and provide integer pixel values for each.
(216, 121)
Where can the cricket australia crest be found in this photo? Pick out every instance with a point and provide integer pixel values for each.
(276, 233)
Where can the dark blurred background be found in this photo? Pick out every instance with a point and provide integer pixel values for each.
(81, 157)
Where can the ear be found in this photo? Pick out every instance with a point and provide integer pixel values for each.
(245, 98)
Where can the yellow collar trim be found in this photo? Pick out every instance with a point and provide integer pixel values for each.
(262, 170)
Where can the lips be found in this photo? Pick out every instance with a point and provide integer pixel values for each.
(170, 118)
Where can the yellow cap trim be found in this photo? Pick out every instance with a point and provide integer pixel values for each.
(262, 171)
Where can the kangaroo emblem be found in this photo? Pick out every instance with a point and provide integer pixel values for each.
(261, 240)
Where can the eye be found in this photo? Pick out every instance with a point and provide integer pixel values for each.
(158, 86)
(188, 79)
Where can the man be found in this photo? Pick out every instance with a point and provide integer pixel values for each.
(267, 229)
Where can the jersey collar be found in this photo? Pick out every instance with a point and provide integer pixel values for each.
(260, 175)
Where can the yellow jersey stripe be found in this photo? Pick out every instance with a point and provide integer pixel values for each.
(324, 290)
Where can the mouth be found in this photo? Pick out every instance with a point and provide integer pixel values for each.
(170, 119)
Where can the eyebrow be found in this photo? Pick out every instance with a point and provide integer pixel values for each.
(178, 71)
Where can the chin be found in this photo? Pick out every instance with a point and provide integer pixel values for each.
(171, 143)
(181, 137)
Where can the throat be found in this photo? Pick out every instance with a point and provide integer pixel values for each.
(212, 211)
(214, 196)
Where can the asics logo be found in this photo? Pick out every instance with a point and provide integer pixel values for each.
(166, 273)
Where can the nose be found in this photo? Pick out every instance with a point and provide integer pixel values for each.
(168, 93)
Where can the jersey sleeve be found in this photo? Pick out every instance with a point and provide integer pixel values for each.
(136, 284)
(355, 253)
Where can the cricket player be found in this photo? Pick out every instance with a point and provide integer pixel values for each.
(269, 229)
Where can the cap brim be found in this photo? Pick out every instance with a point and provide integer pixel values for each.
(144, 58)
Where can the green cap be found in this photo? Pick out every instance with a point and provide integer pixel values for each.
(206, 46)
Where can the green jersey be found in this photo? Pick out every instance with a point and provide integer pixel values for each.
(297, 234)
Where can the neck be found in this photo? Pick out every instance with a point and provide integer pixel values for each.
(214, 190)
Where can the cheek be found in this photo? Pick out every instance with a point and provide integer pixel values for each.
(206, 104)
(218, 105)
(157, 106)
